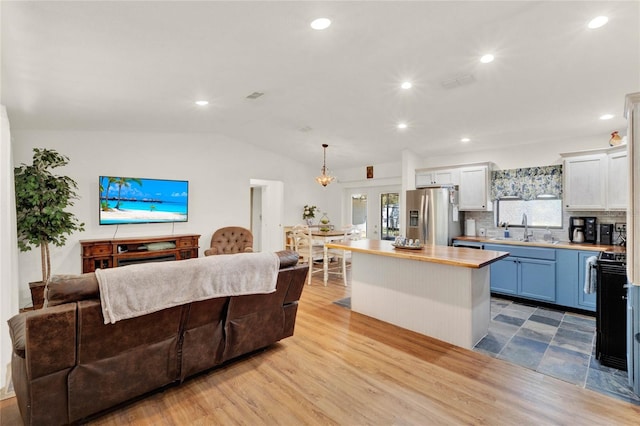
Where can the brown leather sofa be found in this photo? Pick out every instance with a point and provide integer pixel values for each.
(68, 365)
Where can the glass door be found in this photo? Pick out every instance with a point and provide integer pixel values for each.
(359, 212)
(373, 210)
(389, 215)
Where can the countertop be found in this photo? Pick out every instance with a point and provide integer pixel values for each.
(558, 244)
(455, 256)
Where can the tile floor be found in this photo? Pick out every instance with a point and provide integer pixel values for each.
(556, 343)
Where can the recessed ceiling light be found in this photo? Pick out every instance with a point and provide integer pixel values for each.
(597, 22)
(606, 117)
(487, 58)
(465, 140)
(202, 103)
(406, 85)
(402, 125)
(320, 23)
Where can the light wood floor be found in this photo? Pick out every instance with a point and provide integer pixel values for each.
(345, 368)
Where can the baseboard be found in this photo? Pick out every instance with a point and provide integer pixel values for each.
(6, 395)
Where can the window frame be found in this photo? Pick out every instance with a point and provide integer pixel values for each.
(519, 224)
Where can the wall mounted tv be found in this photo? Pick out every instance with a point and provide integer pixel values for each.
(138, 200)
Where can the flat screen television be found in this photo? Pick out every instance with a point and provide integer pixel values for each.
(139, 200)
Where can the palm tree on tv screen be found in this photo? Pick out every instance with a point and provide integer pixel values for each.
(126, 182)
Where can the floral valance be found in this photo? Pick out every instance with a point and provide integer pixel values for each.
(527, 184)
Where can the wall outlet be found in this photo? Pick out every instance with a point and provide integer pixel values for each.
(620, 227)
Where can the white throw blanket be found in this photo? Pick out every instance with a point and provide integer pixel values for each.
(136, 290)
(590, 275)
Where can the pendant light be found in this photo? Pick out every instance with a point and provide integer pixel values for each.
(324, 179)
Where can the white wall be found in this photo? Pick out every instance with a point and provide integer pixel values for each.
(8, 250)
(518, 156)
(218, 169)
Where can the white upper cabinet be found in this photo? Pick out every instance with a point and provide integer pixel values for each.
(474, 188)
(584, 182)
(617, 184)
(437, 177)
(596, 180)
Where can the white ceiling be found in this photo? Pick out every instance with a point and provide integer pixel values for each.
(139, 67)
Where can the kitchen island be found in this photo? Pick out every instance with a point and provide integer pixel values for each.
(439, 291)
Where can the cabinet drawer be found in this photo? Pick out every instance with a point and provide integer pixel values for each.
(186, 242)
(519, 251)
(97, 250)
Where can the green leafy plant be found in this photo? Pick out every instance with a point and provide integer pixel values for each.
(41, 200)
(309, 212)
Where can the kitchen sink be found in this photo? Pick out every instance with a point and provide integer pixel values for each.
(521, 240)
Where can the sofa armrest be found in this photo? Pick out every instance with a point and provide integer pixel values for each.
(211, 251)
(45, 338)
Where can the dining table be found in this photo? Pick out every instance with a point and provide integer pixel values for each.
(325, 237)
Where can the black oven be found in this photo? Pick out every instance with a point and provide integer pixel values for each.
(611, 310)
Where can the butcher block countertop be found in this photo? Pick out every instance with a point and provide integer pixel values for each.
(455, 256)
(554, 244)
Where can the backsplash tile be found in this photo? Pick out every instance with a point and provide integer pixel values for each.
(487, 221)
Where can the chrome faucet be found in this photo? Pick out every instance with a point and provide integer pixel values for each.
(526, 228)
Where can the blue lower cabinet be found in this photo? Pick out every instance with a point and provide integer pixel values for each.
(570, 278)
(530, 278)
(551, 275)
(504, 276)
(567, 277)
(537, 279)
(585, 300)
(529, 272)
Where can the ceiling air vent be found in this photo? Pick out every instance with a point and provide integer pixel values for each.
(458, 81)
(255, 95)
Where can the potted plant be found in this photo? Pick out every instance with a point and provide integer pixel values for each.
(309, 213)
(41, 200)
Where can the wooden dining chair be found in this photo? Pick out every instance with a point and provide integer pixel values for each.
(343, 257)
(308, 251)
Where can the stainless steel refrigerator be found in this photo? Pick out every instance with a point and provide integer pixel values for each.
(432, 215)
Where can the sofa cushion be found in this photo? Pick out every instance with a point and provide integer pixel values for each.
(17, 325)
(71, 288)
(288, 258)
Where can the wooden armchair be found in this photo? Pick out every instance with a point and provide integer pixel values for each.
(230, 240)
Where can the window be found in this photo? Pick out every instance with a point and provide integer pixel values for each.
(541, 212)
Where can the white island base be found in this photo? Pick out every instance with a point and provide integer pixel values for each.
(447, 302)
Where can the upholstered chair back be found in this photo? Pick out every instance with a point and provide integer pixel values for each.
(230, 240)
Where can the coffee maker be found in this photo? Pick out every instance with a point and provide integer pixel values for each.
(583, 229)
(576, 229)
(590, 230)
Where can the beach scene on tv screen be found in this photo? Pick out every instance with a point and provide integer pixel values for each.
(137, 200)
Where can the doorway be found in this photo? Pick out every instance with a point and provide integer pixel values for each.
(266, 220)
(256, 217)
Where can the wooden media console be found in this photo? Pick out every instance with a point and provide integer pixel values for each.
(114, 252)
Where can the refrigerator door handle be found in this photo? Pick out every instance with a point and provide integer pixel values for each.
(425, 216)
